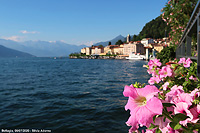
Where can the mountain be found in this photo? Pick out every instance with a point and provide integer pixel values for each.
(7, 52)
(42, 48)
(113, 41)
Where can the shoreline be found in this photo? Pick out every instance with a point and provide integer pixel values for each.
(98, 57)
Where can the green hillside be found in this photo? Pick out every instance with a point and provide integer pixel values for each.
(7, 52)
(154, 29)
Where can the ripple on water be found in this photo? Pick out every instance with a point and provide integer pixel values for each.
(73, 96)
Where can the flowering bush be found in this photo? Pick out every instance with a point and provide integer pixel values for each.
(177, 14)
(170, 103)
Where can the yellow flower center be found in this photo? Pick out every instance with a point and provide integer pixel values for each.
(140, 101)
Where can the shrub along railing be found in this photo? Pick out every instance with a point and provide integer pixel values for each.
(184, 48)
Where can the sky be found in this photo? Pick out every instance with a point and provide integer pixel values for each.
(75, 21)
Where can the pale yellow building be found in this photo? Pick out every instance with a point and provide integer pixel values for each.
(111, 49)
(88, 50)
(96, 50)
(83, 50)
(158, 47)
(118, 50)
(136, 47)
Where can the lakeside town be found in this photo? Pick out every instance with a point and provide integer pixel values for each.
(147, 47)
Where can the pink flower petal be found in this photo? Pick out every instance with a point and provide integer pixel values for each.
(144, 116)
(131, 105)
(130, 91)
(148, 89)
(155, 105)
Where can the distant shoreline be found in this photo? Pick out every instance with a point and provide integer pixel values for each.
(98, 57)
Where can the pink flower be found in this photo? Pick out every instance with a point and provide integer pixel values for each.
(175, 90)
(183, 97)
(143, 105)
(153, 63)
(165, 85)
(161, 123)
(195, 112)
(182, 107)
(192, 78)
(165, 71)
(195, 93)
(154, 80)
(150, 130)
(186, 63)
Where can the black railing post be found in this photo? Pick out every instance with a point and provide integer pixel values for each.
(182, 49)
(177, 53)
(188, 47)
(198, 46)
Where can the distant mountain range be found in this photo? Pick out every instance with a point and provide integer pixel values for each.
(42, 48)
(49, 49)
(7, 52)
(113, 41)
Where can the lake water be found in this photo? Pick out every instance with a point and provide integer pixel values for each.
(66, 95)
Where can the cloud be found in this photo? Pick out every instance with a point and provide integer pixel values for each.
(90, 43)
(14, 38)
(29, 32)
(58, 41)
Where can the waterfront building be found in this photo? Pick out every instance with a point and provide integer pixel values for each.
(111, 49)
(158, 47)
(136, 47)
(107, 50)
(96, 50)
(118, 50)
(147, 41)
(88, 50)
(83, 50)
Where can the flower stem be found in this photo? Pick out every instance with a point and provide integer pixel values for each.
(167, 116)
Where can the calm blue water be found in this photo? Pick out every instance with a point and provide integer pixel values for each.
(66, 95)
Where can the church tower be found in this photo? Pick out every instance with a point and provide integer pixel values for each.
(128, 38)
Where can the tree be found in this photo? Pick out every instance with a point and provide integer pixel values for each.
(109, 43)
(101, 46)
(119, 42)
(166, 54)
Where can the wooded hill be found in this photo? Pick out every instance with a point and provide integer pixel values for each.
(156, 28)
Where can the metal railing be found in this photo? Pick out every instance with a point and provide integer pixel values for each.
(184, 47)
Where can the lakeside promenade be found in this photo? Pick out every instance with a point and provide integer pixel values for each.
(119, 57)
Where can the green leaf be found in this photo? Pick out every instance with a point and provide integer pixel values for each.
(179, 117)
(196, 126)
(175, 125)
(185, 83)
(178, 126)
(152, 126)
(154, 118)
(158, 130)
(168, 104)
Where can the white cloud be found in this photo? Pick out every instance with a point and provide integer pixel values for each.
(57, 41)
(14, 38)
(52, 41)
(89, 43)
(63, 41)
(29, 32)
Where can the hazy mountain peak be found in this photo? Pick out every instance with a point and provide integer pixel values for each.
(113, 41)
(42, 48)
